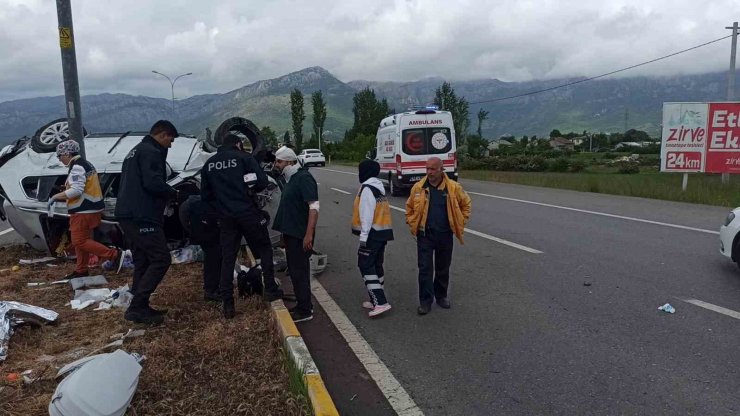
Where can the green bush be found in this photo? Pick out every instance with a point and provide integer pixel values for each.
(473, 164)
(627, 167)
(577, 165)
(558, 165)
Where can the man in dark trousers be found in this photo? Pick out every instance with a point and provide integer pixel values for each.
(437, 208)
(199, 219)
(296, 219)
(142, 196)
(229, 181)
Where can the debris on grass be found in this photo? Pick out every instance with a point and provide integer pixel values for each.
(197, 363)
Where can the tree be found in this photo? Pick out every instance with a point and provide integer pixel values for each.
(482, 116)
(633, 135)
(269, 135)
(286, 137)
(556, 133)
(368, 112)
(297, 115)
(477, 145)
(447, 100)
(319, 114)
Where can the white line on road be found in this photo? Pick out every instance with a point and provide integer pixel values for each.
(3, 232)
(665, 224)
(340, 191)
(397, 396)
(711, 307)
(337, 171)
(490, 237)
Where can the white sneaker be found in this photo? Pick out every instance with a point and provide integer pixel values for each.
(368, 305)
(379, 309)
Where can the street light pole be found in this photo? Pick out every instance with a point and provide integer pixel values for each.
(172, 86)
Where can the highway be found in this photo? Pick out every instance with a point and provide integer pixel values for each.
(554, 305)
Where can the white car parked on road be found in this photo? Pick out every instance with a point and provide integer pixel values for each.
(312, 157)
(729, 243)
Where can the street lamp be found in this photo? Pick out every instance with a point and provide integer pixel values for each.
(172, 85)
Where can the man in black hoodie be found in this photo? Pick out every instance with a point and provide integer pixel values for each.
(142, 196)
(229, 181)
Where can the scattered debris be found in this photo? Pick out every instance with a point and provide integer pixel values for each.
(88, 281)
(13, 314)
(36, 261)
(318, 263)
(586, 283)
(187, 254)
(102, 384)
(56, 282)
(667, 308)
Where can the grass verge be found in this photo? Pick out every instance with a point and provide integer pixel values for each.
(197, 363)
(701, 189)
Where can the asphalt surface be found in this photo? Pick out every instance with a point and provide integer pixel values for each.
(7, 236)
(573, 330)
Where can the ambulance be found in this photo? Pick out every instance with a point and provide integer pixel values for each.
(405, 142)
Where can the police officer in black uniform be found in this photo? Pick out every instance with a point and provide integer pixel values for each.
(201, 223)
(229, 181)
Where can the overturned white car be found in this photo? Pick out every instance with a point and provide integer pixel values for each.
(30, 173)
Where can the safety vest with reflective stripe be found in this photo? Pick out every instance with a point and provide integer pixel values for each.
(381, 229)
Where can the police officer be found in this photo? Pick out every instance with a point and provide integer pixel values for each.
(229, 181)
(142, 197)
(198, 218)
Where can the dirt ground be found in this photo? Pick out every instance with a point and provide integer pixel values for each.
(196, 362)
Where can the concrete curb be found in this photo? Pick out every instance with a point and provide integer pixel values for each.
(321, 401)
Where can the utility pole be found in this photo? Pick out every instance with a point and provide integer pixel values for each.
(731, 79)
(69, 72)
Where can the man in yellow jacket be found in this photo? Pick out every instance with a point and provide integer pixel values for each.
(437, 208)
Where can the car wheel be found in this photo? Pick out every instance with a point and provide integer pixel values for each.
(47, 137)
(323, 164)
(241, 127)
(393, 187)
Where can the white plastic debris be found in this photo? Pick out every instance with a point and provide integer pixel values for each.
(36, 261)
(78, 306)
(56, 282)
(88, 281)
(101, 385)
(668, 308)
(187, 254)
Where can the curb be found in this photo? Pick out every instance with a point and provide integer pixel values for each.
(321, 401)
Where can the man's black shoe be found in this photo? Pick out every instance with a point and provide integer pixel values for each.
(271, 296)
(443, 303)
(423, 309)
(300, 316)
(229, 310)
(161, 312)
(211, 297)
(143, 316)
(76, 274)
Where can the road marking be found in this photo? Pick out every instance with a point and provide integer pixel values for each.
(490, 237)
(711, 307)
(665, 224)
(3, 232)
(337, 171)
(340, 191)
(397, 396)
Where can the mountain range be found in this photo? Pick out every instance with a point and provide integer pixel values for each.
(603, 105)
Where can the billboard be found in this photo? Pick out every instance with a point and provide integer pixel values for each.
(701, 137)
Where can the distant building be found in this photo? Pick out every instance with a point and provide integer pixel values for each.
(561, 143)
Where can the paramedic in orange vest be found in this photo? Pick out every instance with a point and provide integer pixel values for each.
(371, 220)
(437, 208)
(85, 206)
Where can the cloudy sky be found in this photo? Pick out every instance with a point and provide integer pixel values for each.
(231, 43)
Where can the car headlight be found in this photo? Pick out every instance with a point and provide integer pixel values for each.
(730, 217)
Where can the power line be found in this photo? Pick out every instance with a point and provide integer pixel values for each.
(600, 76)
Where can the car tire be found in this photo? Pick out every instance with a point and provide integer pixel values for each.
(323, 164)
(240, 125)
(393, 188)
(47, 137)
